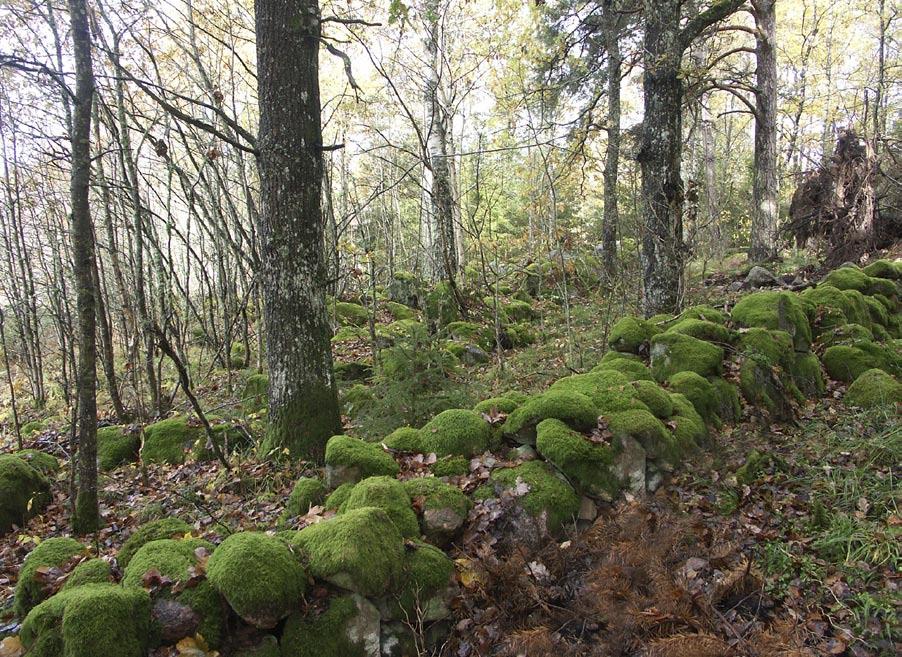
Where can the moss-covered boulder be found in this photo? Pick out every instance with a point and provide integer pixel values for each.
(766, 373)
(152, 531)
(390, 495)
(632, 369)
(441, 305)
(24, 492)
(92, 571)
(43, 462)
(406, 289)
(808, 376)
(631, 334)
(350, 314)
(88, 621)
(307, 492)
(347, 627)
(609, 390)
(456, 432)
(54, 553)
(705, 313)
(727, 406)
(778, 311)
(351, 459)
(451, 466)
(655, 398)
(587, 464)
(829, 307)
(32, 427)
(254, 394)
(359, 550)
(848, 362)
(497, 405)
(116, 446)
(168, 441)
(889, 269)
(425, 588)
(549, 498)
(179, 561)
(703, 330)
(697, 390)
(399, 311)
(405, 439)
(874, 388)
(338, 496)
(648, 431)
(443, 508)
(845, 334)
(853, 278)
(575, 409)
(676, 352)
(260, 578)
(518, 311)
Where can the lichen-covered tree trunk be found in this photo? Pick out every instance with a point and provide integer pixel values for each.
(611, 217)
(87, 517)
(303, 406)
(659, 158)
(765, 186)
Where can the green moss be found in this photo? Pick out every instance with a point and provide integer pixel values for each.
(573, 408)
(766, 373)
(517, 311)
(848, 362)
(349, 334)
(874, 388)
(338, 496)
(115, 446)
(30, 428)
(654, 397)
(847, 278)
(451, 466)
(726, 398)
(237, 355)
(845, 334)
(43, 462)
(484, 492)
(619, 355)
(92, 571)
(697, 390)
(52, 553)
(325, 634)
(464, 331)
(172, 558)
(858, 306)
(631, 334)
(399, 310)
(755, 465)
(350, 314)
(675, 352)
(709, 331)
(689, 433)
(633, 370)
(648, 430)
(351, 459)
(877, 312)
(889, 269)
(151, 531)
(24, 492)
(441, 305)
(390, 495)
(258, 576)
(548, 496)
(808, 376)
(307, 492)
(609, 390)
(775, 310)
(405, 439)
(425, 575)
(704, 313)
(829, 307)
(499, 404)
(360, 550)
(456, 432)
(167, 441)
(88, 621)
(254, 395)
(586, 464)
(433, 494)
(520, 335)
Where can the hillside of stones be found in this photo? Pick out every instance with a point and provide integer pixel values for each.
(372, 554)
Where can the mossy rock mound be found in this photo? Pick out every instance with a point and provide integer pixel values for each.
(441, 305)
(704, 313)
(254, 395)
(89, 621)
(655, 398)
(451, 466)
(92, 571)
(178, 561)
(307, 492)
(634, 370)
(52, 553)
(874, 388)
(399, 311)
(574, 408)
(845, 334)
(518, 311)
(848, 362)
(443, 508)
(550, 499)
(808, 376)
(338, 496)
(675, 352)
(497, 405)
(350, 314)
(152, 531)
(359, 550)
(390, 495)
(631, 334)
(260, 578)
(30, 428)
(699, 391)
(777, 311)
(24, 492)
(425, 588)
(116, 446)
(703, 330)
(43, 462)
(347, 627)
(406, 289)
(830, 307)
(588, 465)
(456, 432)
(889, 269)
(766, 374)
(853, 278)
(405, 439)
(727, 406)
(648, 431)
(168, 441)
(609, 390)
(351, 459)
(688, 427)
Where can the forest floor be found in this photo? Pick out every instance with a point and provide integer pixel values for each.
(778, 540)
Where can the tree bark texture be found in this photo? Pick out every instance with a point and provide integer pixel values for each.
(611, 217)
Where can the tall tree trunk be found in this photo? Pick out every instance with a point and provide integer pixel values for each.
(766, 185)
(611, 217)
(87, 517)
(303, 405)
(659, 157)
